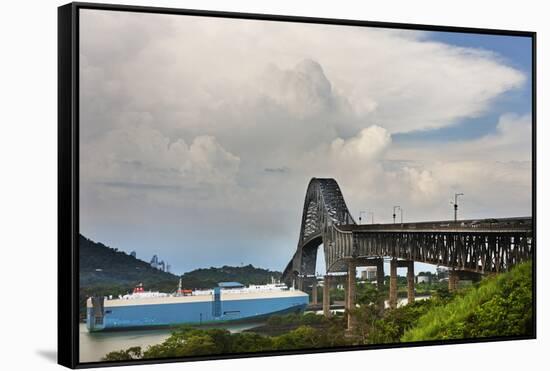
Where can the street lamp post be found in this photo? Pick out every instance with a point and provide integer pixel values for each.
(456, 204)
(371, 213)
(360, 214)
(395, 208)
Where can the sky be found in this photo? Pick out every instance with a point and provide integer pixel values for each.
(198, 136)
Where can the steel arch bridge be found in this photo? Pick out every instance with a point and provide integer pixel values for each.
(481, 246)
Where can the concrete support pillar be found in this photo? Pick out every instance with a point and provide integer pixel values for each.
(410, 282)
(393, 283)
(326, 296)
(350, 292)
(300, 283)
(380, 274)
(345, 286)
(453, 280)
(380, 283)
(314, 291)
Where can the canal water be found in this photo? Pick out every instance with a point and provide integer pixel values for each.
(94, 346)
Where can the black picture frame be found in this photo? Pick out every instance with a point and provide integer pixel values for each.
(68, 174)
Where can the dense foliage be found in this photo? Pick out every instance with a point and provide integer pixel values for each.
(372, 326)
(281, 324)
(499, 306)
(209, 277)
(188, 341)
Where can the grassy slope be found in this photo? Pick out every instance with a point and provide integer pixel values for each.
(500, 306)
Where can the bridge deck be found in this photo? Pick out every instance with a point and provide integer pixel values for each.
(502, 225)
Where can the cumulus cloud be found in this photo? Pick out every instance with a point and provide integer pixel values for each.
(303, 91)
(367, 145)
(398, 80)
(494, 171)
(433, 85)
(511, 141)
(422, 184)
(208, 130)
(141, 159)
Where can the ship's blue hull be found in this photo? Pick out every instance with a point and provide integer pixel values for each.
(194, 313)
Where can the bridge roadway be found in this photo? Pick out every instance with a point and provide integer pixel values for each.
(482, 245)
(500, 225)
(468, 248)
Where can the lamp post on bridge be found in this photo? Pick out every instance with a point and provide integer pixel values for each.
(360, 214)
(371, 213)
(397, 208)
(456, 204)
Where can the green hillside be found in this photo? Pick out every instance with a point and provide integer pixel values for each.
(102, 265)
(209, 277)
(500, 306)
(106, 271)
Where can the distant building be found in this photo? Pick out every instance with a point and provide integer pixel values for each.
(369, 274)
(133, 253)
(155, 262)
(423, 279)
(160, 265)
(168, 268)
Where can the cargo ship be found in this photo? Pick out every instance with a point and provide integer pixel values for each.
(229, 301)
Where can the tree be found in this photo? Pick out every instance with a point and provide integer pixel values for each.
(304, 337)
(250, 342)
(499, 306)
(124, 355)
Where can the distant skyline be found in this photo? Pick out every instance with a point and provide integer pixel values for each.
(198, 136)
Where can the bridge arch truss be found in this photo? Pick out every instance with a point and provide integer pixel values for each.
(483, 246)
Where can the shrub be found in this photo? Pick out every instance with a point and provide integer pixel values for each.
(500, 306)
